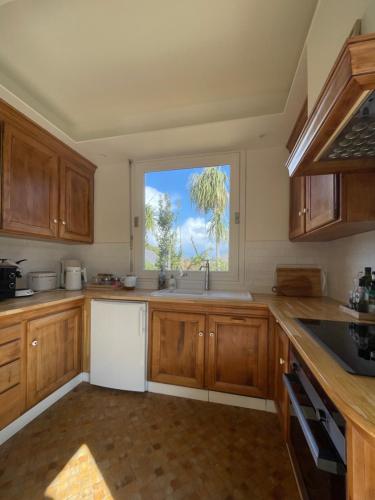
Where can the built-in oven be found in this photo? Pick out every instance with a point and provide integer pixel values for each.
(316, 437)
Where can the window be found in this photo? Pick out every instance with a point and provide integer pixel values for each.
(187, 211)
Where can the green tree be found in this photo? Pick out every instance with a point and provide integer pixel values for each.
(166, 236)
(209, 193)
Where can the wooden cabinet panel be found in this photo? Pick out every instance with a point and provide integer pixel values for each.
(321, 200)
(76, 202)
(360, 465)
(237, 355)
(177, 350)
(30, 185)
(296, 207)
(281, 367)
(53, 352)
(12, 372)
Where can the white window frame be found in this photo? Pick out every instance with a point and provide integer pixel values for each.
(229, 278)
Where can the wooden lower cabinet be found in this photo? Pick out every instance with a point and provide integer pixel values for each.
(178, 348)
(12, 372)
(53, 352)
(237, 355)
(281, 367)
(360, 464)
(221, 352)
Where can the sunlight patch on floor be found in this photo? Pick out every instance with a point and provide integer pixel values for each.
(80, 478)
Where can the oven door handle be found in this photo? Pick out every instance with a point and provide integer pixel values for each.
(325, 459)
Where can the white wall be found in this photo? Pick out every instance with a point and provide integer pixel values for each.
(332, 22)
(267, 221)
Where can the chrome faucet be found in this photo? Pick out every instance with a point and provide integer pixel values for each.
(206, 267)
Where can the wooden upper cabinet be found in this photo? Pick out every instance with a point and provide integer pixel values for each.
(29, 185)
(237, 355)
(322, 200)
(76, 202)
(177, 348)
(296, 207)
(53, 352)
(47, 189)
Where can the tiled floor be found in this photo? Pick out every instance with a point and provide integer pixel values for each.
(101, 444)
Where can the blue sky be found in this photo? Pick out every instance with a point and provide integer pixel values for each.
(189, 220)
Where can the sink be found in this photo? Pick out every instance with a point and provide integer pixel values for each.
(210, 294)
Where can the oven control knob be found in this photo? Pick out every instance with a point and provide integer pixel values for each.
(12, 276)
(12, 285)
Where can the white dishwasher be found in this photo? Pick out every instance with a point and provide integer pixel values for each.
(118, 344)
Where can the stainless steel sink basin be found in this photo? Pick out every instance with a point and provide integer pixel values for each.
(210, 294)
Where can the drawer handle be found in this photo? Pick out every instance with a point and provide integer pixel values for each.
(201, 334)
(212, 334)
(34, 343)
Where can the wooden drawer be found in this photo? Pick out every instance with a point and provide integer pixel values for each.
(10, 351)
(10, 375)
(12, 371)
(9, 333)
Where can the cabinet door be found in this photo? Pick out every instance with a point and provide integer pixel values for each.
(53, 350)
(12, 372)
(237, 355)
(281, 367)
(322, 200)
(30, 185)
(177, 348)
(76, 202)
(296, 207)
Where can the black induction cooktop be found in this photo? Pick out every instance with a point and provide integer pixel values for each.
(351, 344)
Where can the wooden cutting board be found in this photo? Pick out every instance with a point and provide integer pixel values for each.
(298, 281)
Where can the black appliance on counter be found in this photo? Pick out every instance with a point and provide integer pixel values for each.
(8, 274)
(316, 438)
(351, 344)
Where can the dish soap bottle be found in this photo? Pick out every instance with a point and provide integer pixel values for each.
(172, 283)
(162, 279)
(371, 296)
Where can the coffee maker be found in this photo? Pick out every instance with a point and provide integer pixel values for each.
(72, 274)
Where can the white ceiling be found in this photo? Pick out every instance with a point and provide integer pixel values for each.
(99, 68)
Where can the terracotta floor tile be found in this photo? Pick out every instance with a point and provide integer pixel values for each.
(101, 444)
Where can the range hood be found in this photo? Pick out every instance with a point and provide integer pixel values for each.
(339, 135)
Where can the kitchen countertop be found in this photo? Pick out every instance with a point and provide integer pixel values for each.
(353, 395)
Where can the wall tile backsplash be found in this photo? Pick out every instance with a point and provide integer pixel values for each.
(262, 257)
(346, 257)
(342, 258)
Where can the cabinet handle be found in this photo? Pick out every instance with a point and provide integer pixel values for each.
(305, 210)
(201, 334)
(34, 343)
(212, 334)
(55, 221)
(63, 222)
(282, 361)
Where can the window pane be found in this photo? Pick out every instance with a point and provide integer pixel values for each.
(187, 218)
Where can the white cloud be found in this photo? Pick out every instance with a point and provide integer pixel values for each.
(152, 196)
(193, 227)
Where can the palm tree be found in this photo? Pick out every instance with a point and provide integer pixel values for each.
(149, 218)
(208, 192)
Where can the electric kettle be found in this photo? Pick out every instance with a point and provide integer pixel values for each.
(72, 274)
